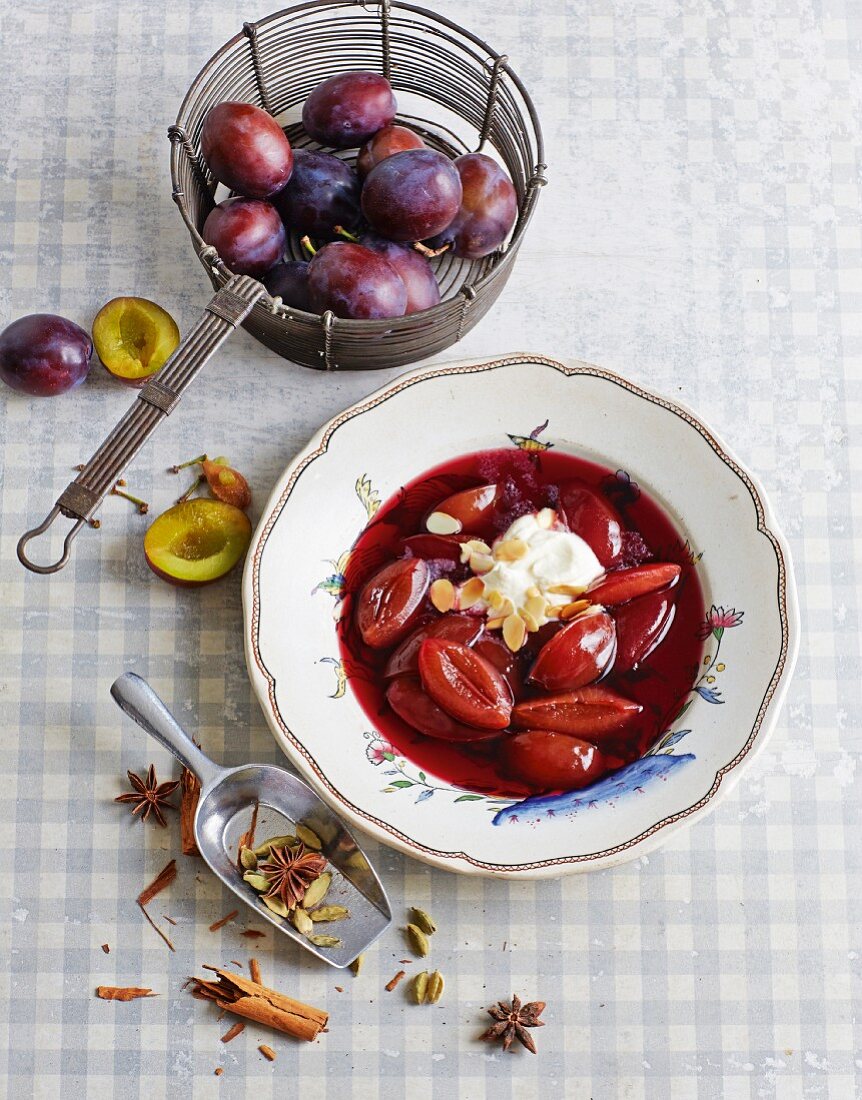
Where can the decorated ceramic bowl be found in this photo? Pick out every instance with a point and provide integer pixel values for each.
(296, 593)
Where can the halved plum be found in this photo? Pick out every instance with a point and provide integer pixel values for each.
(389, 601)
(628, 584)
(456, 628)
(641, 626)
(471, 510)
(464, 684)
(550, 761)
(578, 654)
(134, 338)
(414, 706)
(197, 542)
(589, 515)
(588, 712)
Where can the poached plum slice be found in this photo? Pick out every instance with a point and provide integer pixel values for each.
(550, 761)
(390, 599)
(497, 653)
(415, 707)
(641, 626)
(246, 150)
(455, 628)
(589, 515)
(464, 684)
(589, 711)
(578, 654)
(471, 511)
(349, 108)
(435, 547)
(627, 584)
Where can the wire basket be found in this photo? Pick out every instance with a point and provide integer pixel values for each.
(452, 88)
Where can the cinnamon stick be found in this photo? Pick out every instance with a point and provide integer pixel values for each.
(267, 1052)
(390, 985)
(216, 925)
(253, 1001)
(190, 792)
(122, 992)
(247, 838)
(253, 934)
(236, 1029)
(254, 971)
(164, 878)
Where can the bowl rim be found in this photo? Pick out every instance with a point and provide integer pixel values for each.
(726, 777)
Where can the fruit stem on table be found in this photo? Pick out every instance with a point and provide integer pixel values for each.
(183, 465)
(196, 484)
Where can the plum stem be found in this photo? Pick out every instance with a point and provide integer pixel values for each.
(429, 253)
(308, 246)
(191, 462)
(198, 481)
(141, 505)
(342, 232)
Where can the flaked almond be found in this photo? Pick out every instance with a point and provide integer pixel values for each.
(473, 546)
(535, 608)
(533, 592)
(495, 599)
(567, 589)
(514, 632)
(554, 611)
(438, 523)
(481, 563)
(573, 609)
(442, 594)
(496, 622)
(530, 621)
(546, 518)
(470, 593)
(510, 550)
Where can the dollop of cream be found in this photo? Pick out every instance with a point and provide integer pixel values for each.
(554, 557)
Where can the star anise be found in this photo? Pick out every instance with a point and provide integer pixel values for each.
(149, 795)
(512, 1021)
(290, 871)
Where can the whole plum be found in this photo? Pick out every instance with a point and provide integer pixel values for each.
(488, 210)
(412, 195)
(385, 143)
(289, 281)
(415, 271)
(248, 234)
(246, 150)
(353, 281)
(323, 192)
(44, 354)
(348, 109)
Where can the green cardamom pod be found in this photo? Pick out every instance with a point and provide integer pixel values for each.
(277, 906)
(325, 941)
(302, 922)
(419, 987)
(330, 912)
(248, 859)
(418, 940)
(356, 965)
(317, 890)
(256, 881)
(435, 988)
(308, 836)
(423, 920)
(274, 842)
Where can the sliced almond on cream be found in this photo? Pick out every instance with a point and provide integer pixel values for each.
(546, 518)
(574, 608)
(470, 593)
(533, 592)
(442, 593)
(567, 589)
(510, 550)
(514, 632)
(530, 620)
(481, 563)
(439, 523)
(471, 547)
(496, 622)
(535, 608)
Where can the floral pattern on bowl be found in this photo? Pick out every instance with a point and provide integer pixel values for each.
(305, 692)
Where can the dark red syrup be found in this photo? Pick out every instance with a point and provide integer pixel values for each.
(660, 684)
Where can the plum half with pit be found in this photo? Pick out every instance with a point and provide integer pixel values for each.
(246, 150)
(43, 354)
(134, 338)
(248, 234)
(197, 542)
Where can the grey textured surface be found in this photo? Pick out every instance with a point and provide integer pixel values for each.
(700, 234)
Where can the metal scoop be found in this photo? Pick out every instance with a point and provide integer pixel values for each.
(227, 800)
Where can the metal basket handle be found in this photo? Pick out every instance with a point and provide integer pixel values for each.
(79, 501)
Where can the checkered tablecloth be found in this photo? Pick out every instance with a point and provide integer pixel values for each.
(701, 234)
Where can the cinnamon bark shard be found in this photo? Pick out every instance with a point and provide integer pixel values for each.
(243, 997)
(123, 993)
(190, 791)
(164, 878)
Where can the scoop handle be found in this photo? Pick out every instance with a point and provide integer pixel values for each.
(134, 695)
(81, 498)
